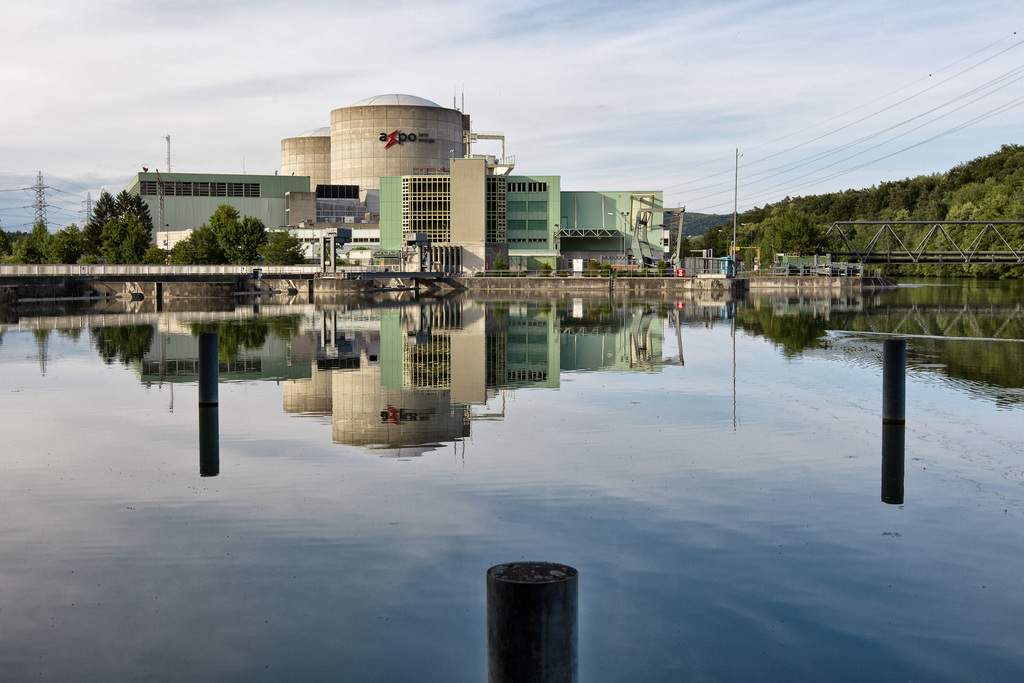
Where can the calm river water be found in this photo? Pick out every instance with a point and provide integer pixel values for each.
(713, 470)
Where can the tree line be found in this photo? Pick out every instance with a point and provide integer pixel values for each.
(120, 230)
(987, 188)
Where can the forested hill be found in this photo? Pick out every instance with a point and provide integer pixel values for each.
(987, 188)
(696, 224)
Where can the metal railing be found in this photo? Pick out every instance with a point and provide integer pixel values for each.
(842, 269)
(592, 273)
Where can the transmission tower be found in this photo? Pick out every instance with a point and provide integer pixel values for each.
(40, 203)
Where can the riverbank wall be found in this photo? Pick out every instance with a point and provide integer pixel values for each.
(169, 288)
(186, 287)
(715, 287)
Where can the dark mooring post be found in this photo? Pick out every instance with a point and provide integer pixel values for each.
(532, 623)
(207, 369)
(209, 420)
(209, 441)
(893, 461)
(894, 381)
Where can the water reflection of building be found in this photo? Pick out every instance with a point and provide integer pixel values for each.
(600, 336)
(385, 375)
(410, 376)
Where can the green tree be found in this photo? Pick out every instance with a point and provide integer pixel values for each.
(797, 232)
(35, 247)
(200, 248)
(282, 248)
(102, 213)
(240, 238)
(155, 256)
(127, 204)
(5, 245)
(117, 226)
(717, 239)
(125, 240)
(66, 246)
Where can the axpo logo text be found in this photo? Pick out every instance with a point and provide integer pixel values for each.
(400, 138)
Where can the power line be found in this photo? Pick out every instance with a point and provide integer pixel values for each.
(976, 94)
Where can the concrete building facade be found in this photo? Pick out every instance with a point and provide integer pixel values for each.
(393, 135)
(308, 154)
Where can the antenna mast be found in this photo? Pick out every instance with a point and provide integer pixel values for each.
(160, 199)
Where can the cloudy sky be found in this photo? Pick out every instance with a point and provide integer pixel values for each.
(648, 95)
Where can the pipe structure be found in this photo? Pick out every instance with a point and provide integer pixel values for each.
(532, 623)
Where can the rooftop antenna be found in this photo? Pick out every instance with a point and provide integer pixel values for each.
(168, 138)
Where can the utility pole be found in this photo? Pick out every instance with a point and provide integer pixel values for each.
(40, 203)
(679, 242)
(735, 207)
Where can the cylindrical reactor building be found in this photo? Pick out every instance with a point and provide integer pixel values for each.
(393, 135)
(308, 154)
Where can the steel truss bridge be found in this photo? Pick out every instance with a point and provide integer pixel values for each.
(958, 321)
(927, 242)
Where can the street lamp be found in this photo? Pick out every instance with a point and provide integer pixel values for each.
(625, 225)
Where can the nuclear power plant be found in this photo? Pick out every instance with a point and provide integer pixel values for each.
(394, 167)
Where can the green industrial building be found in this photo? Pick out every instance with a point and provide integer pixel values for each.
(179, 202)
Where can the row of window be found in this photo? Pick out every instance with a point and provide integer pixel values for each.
(187, 189)
(523, 207)
(520, 186)
(518, 224)
(527, 376)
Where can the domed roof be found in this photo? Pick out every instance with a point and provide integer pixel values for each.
(324, 132)
(395, 99)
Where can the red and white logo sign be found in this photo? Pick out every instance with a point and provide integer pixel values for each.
(397, 137)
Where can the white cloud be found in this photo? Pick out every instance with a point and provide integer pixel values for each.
(608, 95)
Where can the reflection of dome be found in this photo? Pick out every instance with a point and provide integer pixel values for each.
(395, 99)
(406, 451)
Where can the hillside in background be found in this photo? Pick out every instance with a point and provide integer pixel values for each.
(984, 189)
(696, 224)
